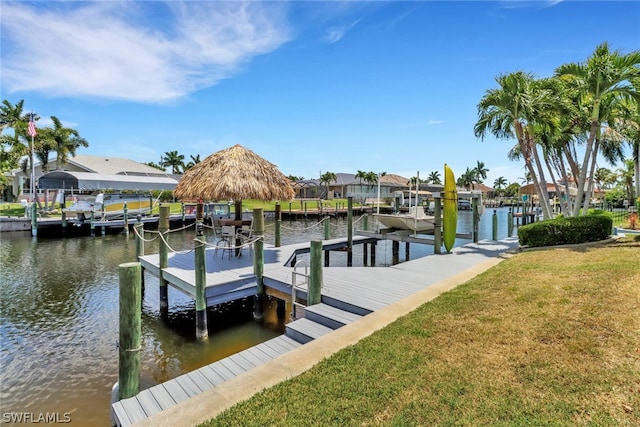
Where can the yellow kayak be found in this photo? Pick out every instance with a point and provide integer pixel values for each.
(450, 209)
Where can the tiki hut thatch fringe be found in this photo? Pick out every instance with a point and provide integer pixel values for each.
(235, 173)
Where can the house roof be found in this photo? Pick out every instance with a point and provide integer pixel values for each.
(112, 165)
(67, 180)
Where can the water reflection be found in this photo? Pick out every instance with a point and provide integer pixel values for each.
(59, 325)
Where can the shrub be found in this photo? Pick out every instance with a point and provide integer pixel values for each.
(561, 231)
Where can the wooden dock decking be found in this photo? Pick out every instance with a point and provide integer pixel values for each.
(232, 278)
(348, 293)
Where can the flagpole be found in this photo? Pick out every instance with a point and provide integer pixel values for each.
(33, 174)
(32, 132)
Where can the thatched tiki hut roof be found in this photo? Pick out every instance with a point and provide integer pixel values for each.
(235, 173)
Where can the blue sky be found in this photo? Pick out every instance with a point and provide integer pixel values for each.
(310, 86)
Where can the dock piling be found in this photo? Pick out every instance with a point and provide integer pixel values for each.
(494, 225)
(278, 224)
(476, 218)
(130, 330)
(258, 262)
(315, 274)
(126, 218)
(34, 219)
(350, 231)
(327, 230)
(437, 224)
(202, 332)
(510, 223)
(163, 228)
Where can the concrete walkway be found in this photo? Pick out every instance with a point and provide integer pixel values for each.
(453, 269)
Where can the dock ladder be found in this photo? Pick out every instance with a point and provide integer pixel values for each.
(296, 286)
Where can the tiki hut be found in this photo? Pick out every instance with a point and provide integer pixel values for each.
(235, 173)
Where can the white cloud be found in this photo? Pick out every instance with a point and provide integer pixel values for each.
(434, 122)
(335, 34)
(138, 51)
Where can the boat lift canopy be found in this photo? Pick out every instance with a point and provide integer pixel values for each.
(87, 181)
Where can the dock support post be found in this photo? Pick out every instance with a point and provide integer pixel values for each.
(278, 224)
(327, 225)
(126, 218)
(281, 309)
(315, 273)
(509, 223)
(64, 223)
(327, 228)
(199, 219)
(93, 224)
(395, 249)
(258, 262)
(437, 225)
(494, 225)
(202, 332)
(183, 212)
(406, 251)
(34, 219)
(139, 228)
(130, 330)
(476, 218)
(349, 231)
(373, 254)
(163, 228)
(365, 255)
(139, 232)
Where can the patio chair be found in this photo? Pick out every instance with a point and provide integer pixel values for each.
(244, 235)
(226, 240)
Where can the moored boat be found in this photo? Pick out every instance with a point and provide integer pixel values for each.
(104, 205)
(415, 220)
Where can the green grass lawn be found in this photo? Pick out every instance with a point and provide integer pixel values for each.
(545, 338)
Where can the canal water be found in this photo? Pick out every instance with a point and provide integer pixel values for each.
(59, 318)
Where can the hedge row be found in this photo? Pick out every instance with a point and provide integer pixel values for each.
(562, 230)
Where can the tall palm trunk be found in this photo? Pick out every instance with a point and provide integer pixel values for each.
(526, 152)
(589, 192)
(545, 204)
(636, 166)
(580, 199)
(548, 162)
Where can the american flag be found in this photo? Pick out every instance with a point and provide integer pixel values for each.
(32, 127)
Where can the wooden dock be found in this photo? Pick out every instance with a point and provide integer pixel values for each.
(232, 278)
(348, 294)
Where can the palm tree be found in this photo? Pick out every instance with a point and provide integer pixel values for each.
(511, 111)
(360, 175)
(434, 177)
(173, 159)
(65, 141)
(155, 165)
(481, 172)
(194, 161)
(467, 179)
(499, 183)
(11, 146)
(626, 175)
(327, 178)
(604, 78)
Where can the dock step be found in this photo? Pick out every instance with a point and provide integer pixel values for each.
(305, 330)
(330, 316)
